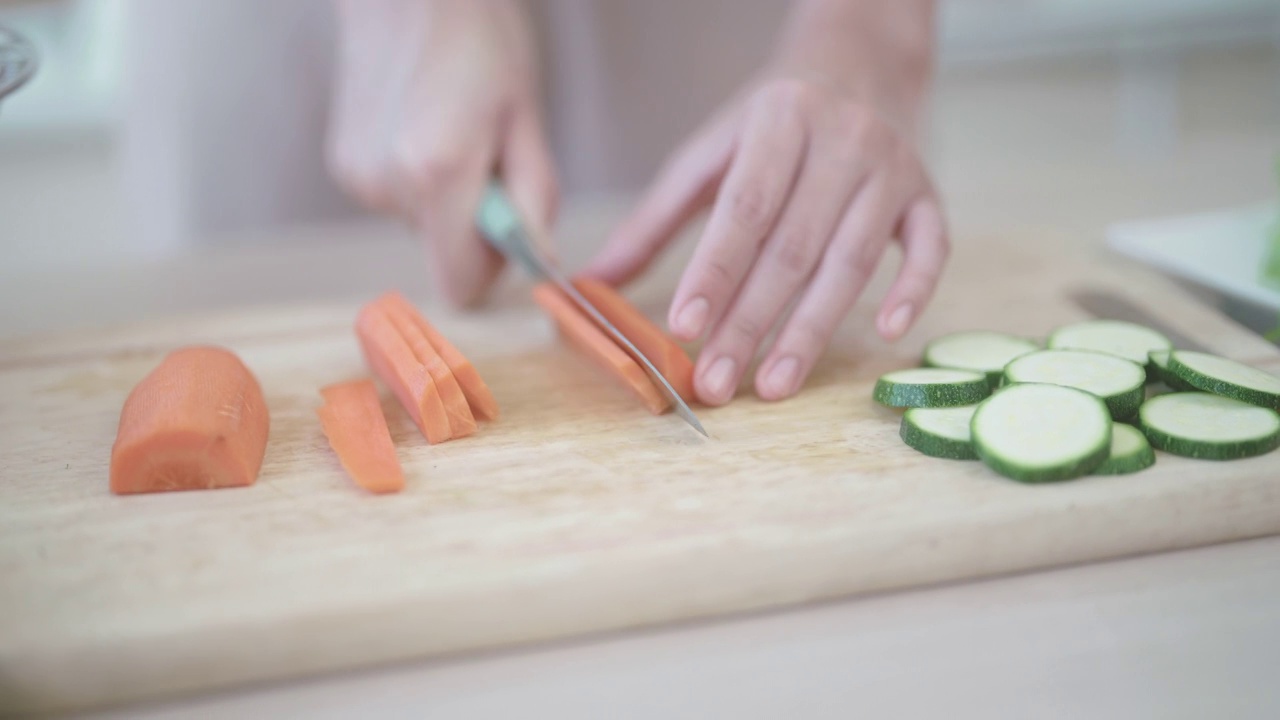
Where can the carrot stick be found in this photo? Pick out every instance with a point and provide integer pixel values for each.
(197, 421)
(391, 359)
(461, 422)
(352, 420)
(665, 353)
(579, 330)
(483, 405)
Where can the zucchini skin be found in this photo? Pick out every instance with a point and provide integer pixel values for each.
(1196, 380)
(934, 445)
(925, 395)
(1143, 459)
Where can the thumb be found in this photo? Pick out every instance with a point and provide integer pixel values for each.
(684, 187)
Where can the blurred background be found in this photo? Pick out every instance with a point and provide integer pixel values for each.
(1058, 115)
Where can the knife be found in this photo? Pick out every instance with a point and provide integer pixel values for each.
(500, 224)
(1110, 306)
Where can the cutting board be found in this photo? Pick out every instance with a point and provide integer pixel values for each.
(577, 513)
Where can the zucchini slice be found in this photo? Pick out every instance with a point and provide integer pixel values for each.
(1130, 452)
(1041, 433)
(1114, 337)
(1119, 382)
(1210, 427)
(1221, 376)
(931, 387)
(980, 350)
(1160, 364)
(939, 432)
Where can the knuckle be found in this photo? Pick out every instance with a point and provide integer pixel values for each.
(807, 337)
(356, 174)
(425, 171)
(749, 207)
(794, 250)
(719, 274)
(745, 329)
(858, 261)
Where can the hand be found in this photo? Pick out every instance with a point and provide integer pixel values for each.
(809, 187)
(809, 175)
(432, 98)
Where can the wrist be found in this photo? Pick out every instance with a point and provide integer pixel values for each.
(878, 53)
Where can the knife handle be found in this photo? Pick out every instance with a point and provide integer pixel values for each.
(499, 222)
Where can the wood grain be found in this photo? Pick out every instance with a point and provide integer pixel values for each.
(577, 513)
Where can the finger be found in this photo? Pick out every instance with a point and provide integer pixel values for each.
(528, 172)
(440, 186)
(684, 187)
(925, 249)
(831, 173)
(842, 274)
(755, 188)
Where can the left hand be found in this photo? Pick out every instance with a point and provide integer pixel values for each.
(808, 186)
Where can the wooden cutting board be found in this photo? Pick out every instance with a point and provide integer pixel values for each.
(576, 513)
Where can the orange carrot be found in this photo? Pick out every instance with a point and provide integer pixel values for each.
(483, 405)
(461, 422)
(352, 420)
(665, 353)
(391, 359)
(196, 422)
(592, 342)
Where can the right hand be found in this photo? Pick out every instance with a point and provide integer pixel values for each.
(432, 97)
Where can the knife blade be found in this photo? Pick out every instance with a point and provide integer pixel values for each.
(500, 224)
(1107, 305)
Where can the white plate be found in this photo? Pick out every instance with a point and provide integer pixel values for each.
(1221, 250)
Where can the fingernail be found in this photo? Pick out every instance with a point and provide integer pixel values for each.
(719, 378)
(692, 318)
(899, 320)
(781, 378)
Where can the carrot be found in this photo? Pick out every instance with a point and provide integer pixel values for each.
(483, 405)
(461, 422)
(352, 420)
(196, 422)
(391, 359)
(578, 329)
(665, 353)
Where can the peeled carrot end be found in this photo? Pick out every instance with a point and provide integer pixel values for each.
(182, 461)
(198, 421)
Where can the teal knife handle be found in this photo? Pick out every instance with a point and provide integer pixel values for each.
(499, 222)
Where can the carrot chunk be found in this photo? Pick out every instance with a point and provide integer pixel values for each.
(589, 339)
(664, 352)
(197, 421)
(392, 360)
(479, 397)
(461, 422)
(352, 420)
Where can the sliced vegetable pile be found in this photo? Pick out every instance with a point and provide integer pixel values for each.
(199, 421)
(1078, 407)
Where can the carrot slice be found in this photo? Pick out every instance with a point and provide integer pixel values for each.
(391, 359)
(197, 421)
(461, 422)
(665, 353)
(579, 330)
(352, 420)
(479, 397)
